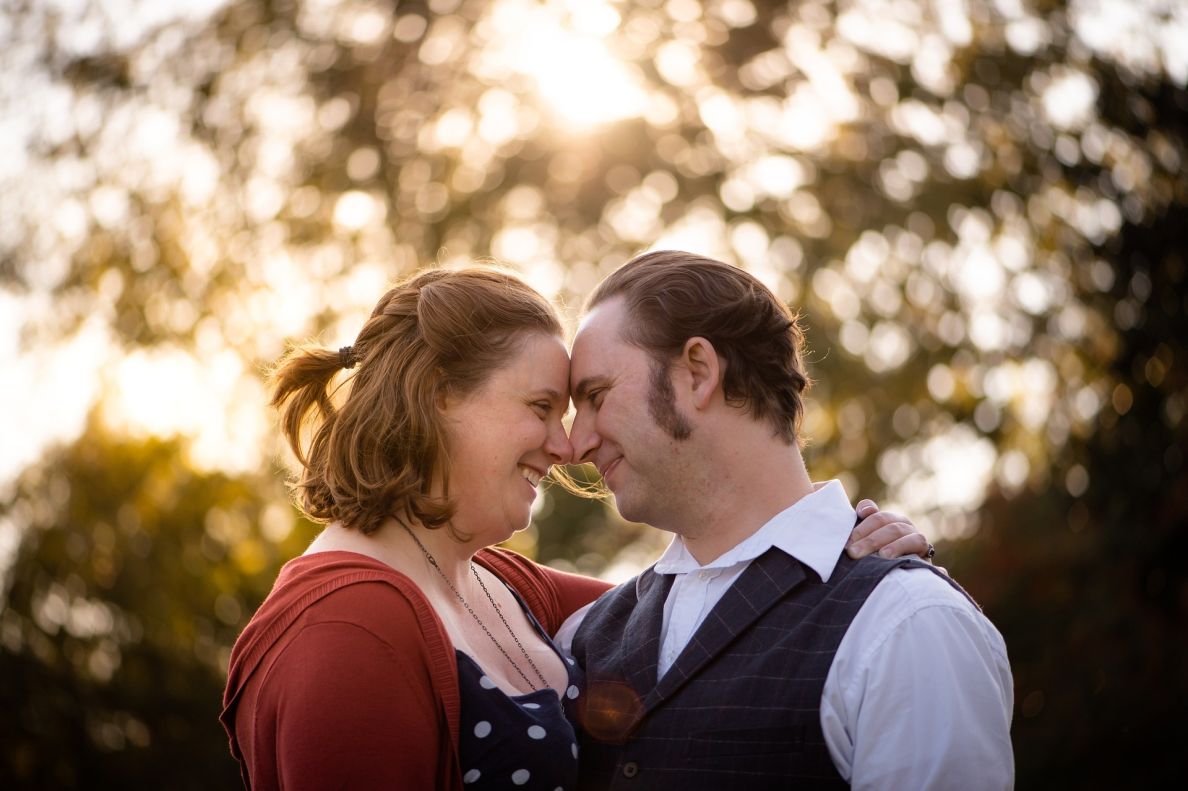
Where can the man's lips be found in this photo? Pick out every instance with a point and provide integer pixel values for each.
(606, 471)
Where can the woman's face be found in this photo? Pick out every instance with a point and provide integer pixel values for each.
(505, 436)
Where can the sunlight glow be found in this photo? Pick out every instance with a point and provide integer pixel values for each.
(82, 27)
(1028, 389)
(889, 347)
(947, 472)
(356, 209)
(561, 47)
(1069, 100)
(702, 231)
(1121, 30)
(805, 124)
(55, 390)
(214, 402)
(880, 27)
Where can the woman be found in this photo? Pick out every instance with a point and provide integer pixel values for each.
(402, 650)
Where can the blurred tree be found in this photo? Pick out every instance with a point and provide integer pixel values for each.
(1087, 576)
(132, 579)
(978, 206)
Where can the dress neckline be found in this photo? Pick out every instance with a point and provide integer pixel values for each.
(565, 663)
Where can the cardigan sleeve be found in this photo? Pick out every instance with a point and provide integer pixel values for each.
(574, 591)
(354, 701)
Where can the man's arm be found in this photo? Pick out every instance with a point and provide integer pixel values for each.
(920, 693)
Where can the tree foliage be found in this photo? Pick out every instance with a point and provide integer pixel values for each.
(133, 578)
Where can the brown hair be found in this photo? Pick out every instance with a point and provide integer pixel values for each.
(673, 296)
(379, 451)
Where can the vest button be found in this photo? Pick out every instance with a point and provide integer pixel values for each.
(630, 769)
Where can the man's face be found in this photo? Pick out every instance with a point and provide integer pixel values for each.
(626, 422)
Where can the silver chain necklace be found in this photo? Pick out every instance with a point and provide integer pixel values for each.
(479, 621)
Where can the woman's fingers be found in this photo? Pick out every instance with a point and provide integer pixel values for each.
(891, 540)
(866, 507)
(891, 535)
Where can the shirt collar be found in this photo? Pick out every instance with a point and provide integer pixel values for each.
(813, 530)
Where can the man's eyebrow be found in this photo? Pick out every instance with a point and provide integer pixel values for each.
(583, 387)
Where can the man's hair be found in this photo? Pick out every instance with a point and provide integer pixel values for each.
(671, 296)
(377, 451)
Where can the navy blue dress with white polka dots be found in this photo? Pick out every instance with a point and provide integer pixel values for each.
(517, 741)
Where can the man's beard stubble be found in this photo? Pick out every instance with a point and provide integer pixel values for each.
(662, 404)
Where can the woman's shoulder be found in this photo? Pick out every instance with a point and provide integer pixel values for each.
(344, 587)
(552, 595)
(338, 585)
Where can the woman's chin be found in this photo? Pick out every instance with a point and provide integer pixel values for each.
(522, 526)
(494, 535)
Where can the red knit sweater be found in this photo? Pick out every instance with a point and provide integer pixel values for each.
(345, 677)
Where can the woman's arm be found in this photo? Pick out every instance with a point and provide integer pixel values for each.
(574, 591)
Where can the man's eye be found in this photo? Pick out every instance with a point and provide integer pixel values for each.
(596, 396)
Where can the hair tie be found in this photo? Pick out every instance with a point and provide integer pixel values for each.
(346, 357)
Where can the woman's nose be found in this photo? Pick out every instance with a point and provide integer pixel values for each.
(558, 446)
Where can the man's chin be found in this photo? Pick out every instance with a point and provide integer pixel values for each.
(630, 509)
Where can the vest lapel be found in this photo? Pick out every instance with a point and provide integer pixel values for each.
(766, 581)
(641, 637)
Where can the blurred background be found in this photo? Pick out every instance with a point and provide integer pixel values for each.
(980, 207)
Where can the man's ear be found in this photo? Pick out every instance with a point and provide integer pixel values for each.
(705, 369)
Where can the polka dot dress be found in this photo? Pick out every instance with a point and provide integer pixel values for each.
(516, 741)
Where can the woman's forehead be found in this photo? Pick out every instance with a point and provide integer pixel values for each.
(541, 363)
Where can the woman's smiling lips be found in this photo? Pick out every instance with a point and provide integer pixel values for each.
(532, 476)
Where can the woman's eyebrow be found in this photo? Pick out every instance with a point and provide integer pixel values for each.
(551, 394)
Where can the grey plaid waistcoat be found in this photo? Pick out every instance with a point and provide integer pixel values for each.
(740, 706)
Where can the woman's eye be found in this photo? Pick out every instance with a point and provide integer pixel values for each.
(542, 408)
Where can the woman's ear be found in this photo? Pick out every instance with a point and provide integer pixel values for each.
(705, 370)
(443, 398)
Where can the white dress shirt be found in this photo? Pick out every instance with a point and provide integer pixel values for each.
(919, 694)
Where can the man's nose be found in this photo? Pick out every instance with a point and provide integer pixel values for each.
(583, 438)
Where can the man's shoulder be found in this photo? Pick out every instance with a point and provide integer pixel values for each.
(919, 600)
(915, 587)
(919, 637)
(918, 606)
(909, 582)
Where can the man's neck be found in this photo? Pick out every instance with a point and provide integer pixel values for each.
(747, 485)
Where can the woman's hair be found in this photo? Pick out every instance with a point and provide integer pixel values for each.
(673, 296)
(377, 451)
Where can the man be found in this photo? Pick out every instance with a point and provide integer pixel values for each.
(755, 653)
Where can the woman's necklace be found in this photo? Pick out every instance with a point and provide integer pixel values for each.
(479, 621)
